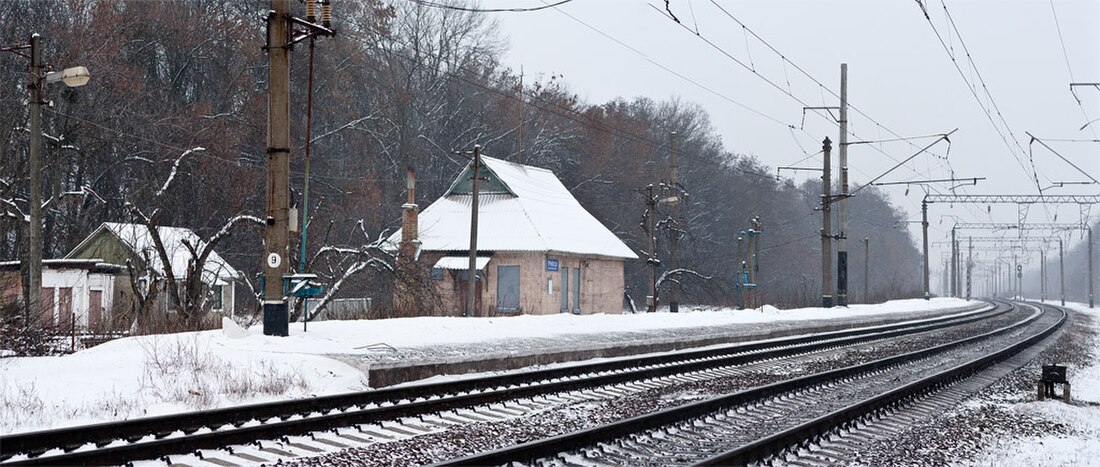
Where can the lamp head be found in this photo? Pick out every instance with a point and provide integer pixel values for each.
(72, 77)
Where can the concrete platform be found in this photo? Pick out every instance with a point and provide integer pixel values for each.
(397, 366)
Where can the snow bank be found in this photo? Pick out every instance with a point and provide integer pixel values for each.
(154, 375)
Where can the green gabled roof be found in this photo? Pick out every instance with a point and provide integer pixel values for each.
(490, 183)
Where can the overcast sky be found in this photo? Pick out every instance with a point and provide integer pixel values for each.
(899, 74)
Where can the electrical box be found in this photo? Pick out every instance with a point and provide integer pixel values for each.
(302, 285)
(1054, 374)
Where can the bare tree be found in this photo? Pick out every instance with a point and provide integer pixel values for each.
(344, 263)
(189, 293)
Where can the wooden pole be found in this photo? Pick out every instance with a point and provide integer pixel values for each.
(842, 208)
(924, 239)
(866, 270)
(674, 230)
(652, 261)
(826, 229)
(471, 279)
(276, 319)
(34, 174)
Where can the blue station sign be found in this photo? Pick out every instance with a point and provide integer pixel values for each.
(552, 264)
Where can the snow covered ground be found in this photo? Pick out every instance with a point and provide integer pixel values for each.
(155, 375)
(1082, 447)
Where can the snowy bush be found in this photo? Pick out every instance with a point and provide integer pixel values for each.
(182, 368)
(19, 404)
(23, 337)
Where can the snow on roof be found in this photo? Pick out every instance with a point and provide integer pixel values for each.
(93, 264)
(542, 216)
(461, 262)
(137, 238)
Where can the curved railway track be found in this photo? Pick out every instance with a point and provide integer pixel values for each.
(159, 437)
(782, 421)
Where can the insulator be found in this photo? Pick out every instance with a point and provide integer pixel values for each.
(326, 13)
(311, 10)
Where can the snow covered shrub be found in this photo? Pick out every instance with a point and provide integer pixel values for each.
(262, 378)
(19, 405)
(183, 369)
(21, 336)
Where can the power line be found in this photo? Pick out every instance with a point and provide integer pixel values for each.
(487, 10)
(946, 163)
(789, 92)
(973, 91)
(560, 111)
(785, 60)
(674, 72)
(790, 127)
(1065, 54)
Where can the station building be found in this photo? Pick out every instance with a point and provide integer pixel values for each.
(538, 250)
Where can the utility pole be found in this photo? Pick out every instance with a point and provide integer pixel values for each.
(1061, 272)
(757, 230)
(739, 273)
(866, 270)
(998, 278)
(276, 319)
(34, 173)
(651, 210)
(969, 266)
(1090, 267)
(954, 265)
(842, 239)
(1042, 274)
(826, 229)
(471, 279)
(946, 290)
(924, 240)
(959, 272)
(520, 125)
(674, 240)
(1017, 275)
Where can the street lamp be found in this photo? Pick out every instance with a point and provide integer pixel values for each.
(72, 77)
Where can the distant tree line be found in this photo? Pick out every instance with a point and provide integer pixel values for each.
(401, 85)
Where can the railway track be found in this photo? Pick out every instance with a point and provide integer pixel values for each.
(188, 434)
(800, 420)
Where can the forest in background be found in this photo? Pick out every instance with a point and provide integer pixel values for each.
(401, 85)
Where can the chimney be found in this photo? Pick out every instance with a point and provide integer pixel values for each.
(409, 213)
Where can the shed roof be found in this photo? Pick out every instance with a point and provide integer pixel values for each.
(461, 262)
(536, 213)
(137, 239)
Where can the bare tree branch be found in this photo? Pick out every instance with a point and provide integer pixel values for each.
(175, 168)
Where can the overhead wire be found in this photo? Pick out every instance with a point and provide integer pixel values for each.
(790, 94)
(972, 88)
(674, 72)
(569, 114)
(1000, 129)
(786, 60)
(565, 113)
(488, 10)
(1069, 68)
(124, 134)
(787, 92)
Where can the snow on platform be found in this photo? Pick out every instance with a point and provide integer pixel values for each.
(155, 375)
